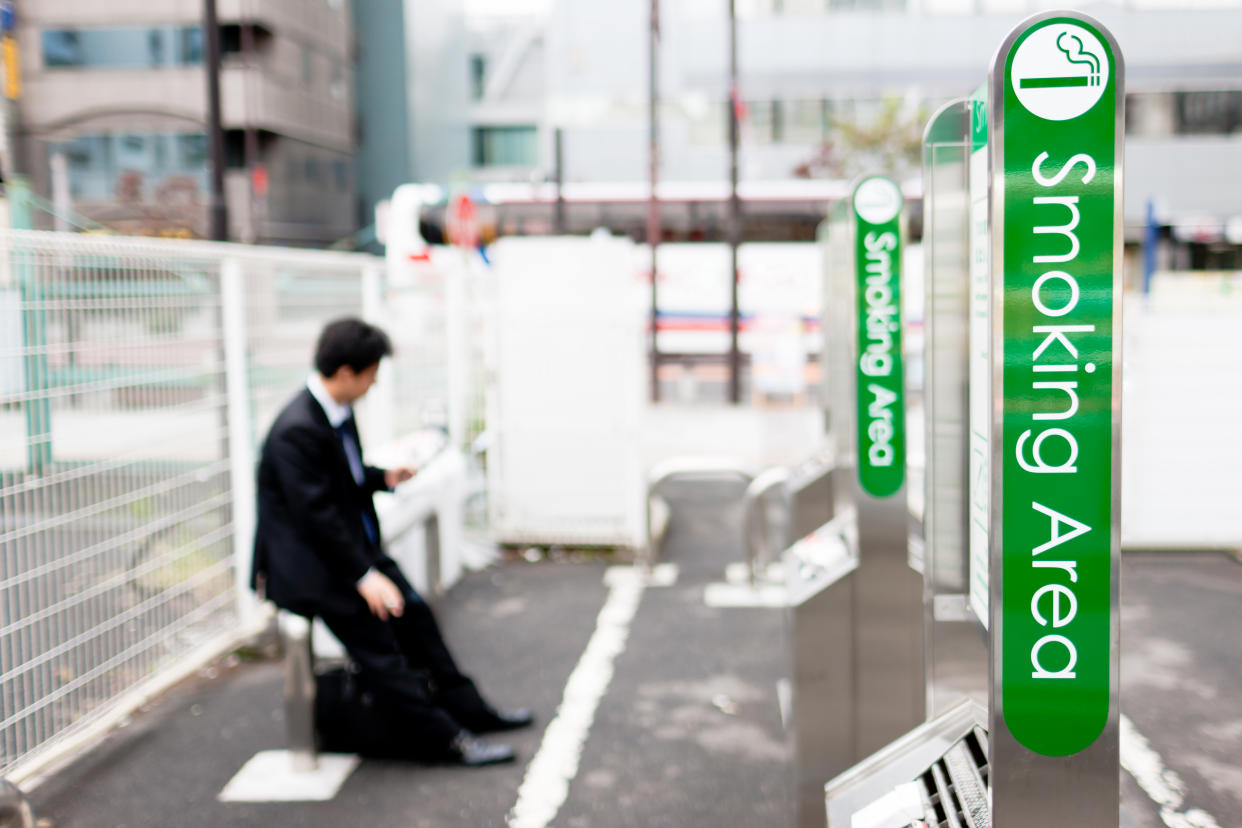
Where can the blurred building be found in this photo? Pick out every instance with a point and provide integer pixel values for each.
(412, 93)
(113, 111)
(828, 87)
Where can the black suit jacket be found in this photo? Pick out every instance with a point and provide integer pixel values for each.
(310, 545)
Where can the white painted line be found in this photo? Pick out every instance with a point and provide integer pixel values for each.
(739, 573)
(661, 575)
(554, 766)
(784, 698)
(740, 596)
(1164, 786)
(269, 777)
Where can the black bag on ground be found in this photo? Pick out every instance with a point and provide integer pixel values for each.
(350, 719)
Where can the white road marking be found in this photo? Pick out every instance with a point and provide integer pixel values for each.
(661, 575)
(741, 596)
(554, 766)
(784, 698)
(1164, 786)
(269, 777)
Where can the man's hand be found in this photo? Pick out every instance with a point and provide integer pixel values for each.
(381, 595)
(394, 476)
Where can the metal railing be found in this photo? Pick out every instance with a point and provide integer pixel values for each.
(680, 468)
(765, 515)
(136, 379)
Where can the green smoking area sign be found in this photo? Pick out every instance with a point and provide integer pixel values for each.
(1056, 177)
(880, 385)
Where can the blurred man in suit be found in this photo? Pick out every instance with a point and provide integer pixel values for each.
(318, 552)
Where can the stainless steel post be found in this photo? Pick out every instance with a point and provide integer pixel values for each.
(888, 591)
(299, 691)
(1056, 131)
(15, 810)
(857, 623)
(431, 558)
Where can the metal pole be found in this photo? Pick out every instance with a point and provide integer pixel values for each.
(653, 202)
(250, 233)
(218, 215)
(558, 152)
(735, 217)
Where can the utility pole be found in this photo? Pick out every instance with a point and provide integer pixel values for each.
(735, 212)
(218, 220)
(250, 232)
(653, 203)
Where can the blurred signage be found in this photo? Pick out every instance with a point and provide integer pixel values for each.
(9, 57)
(881, 387)
(463, 224)
(1056, 189)
(259, 180)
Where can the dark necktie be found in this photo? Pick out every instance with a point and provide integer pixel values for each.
(354, 457)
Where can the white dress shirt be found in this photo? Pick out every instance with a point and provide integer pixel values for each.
(337, 414)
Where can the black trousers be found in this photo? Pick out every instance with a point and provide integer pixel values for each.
(406, 663)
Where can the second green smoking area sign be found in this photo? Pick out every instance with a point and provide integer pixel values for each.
(880, 384)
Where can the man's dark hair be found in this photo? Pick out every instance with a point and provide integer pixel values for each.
(350, 342)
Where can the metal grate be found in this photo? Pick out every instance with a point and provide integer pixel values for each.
(955, 787)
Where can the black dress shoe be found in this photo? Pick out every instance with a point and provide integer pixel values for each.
(494, 720)
(471, 752)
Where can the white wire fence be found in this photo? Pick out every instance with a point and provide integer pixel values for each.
(136, 379)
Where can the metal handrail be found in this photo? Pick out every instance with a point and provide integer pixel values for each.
(754, 517)
(663, 472)
(15, 810)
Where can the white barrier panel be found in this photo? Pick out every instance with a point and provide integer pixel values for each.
(568, 393)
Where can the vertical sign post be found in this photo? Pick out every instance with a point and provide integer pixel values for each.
(1055, 131)
(889, 689)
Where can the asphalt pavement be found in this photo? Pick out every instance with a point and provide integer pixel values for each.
(688, 732)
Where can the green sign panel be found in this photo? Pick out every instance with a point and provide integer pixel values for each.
(881, 386)
(1056, 169)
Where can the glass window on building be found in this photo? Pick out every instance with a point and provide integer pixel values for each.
(133, 166)
(505, 146)
(478, 76)
(709, 121)
(1208, 113)
(867, 5)
(804, 6)
(338, 80)
(765, 122)
(308, 66)
(122, 48)
(806, 122)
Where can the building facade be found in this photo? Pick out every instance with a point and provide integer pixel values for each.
(112, 117)
(830, 87)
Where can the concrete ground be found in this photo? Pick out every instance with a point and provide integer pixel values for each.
(688, 731)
